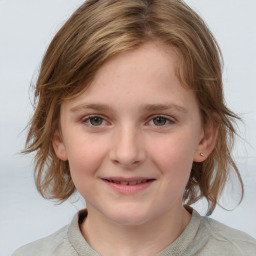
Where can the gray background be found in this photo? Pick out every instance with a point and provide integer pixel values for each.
(26, 28)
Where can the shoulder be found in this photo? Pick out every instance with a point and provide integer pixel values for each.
(55, 244)
(223, 238)
(67, 241)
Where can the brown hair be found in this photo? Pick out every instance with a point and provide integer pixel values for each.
(99, 30)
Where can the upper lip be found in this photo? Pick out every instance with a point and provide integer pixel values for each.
(127, 179)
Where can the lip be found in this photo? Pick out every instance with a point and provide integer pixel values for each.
(112, 182)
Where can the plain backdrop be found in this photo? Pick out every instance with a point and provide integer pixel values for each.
(26, 29)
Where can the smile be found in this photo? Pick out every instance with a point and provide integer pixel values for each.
(135, 182)
(128, 185)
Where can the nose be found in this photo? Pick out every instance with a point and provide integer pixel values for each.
(127, 148)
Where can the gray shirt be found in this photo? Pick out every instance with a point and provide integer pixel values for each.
(202, 237)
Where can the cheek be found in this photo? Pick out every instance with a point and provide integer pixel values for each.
(174, 157)
(173, 160)
(85, 158)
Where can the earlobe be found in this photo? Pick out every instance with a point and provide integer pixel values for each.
(207, 141)
(59, 146)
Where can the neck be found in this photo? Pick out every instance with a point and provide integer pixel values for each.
(109, 238)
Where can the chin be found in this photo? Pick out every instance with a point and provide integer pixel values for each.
(129, 218)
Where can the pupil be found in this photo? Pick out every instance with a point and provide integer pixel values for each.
(96, 121)
(159, 121)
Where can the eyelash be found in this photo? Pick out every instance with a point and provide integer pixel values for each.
(87, 119)
(167, 120)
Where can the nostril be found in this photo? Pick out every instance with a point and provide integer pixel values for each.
(127, 164)
(127, 154)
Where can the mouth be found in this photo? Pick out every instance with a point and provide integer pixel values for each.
(128, 182)
(128, 186)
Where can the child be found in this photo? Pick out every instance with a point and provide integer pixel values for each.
(130, 113)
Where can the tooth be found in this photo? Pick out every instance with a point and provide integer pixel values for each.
(124, 182)
(128, 182)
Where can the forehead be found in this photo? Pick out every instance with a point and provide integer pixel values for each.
(146, 75)
(151, 63)
(153, 56)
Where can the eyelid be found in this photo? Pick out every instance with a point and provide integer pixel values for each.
(87, 118)
(168, 118)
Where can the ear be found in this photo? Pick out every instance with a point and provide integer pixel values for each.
(59, 146)
(207, 141)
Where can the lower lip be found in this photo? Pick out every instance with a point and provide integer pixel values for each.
(128, 189)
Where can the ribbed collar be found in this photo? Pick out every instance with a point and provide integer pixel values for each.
(76, 238)
(177, 248)
(180, 245)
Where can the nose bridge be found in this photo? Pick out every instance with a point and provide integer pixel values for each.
(127, 149)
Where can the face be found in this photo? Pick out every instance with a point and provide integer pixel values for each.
(132, 136)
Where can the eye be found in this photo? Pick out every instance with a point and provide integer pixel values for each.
(94, 121)
(160, 121)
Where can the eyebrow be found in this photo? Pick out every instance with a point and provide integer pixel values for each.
(94, 106)
(147, 107)
(160, 107)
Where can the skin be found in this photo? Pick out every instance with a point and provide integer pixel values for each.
(147, 125)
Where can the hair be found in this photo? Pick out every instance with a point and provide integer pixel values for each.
(96, 32)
